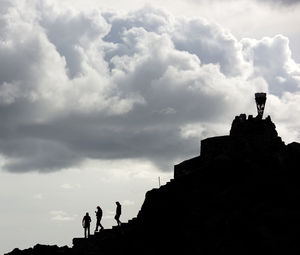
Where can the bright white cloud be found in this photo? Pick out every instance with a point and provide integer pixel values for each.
(271, 58)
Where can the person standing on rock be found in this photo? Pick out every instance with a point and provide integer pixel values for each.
(86, 222)
(99, 217)
(118, 213)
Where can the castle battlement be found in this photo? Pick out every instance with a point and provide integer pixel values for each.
(249, 138)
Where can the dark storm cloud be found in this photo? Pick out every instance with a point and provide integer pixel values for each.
(141, 85)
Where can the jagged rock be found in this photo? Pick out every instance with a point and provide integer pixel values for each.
(43, 249)
(239, 196)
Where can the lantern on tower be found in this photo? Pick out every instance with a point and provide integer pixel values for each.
(260, 99)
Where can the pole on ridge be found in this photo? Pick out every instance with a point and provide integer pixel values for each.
(260, 99)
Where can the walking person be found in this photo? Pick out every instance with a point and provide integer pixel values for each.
(99, 217)
(86, 222)
(118, 213)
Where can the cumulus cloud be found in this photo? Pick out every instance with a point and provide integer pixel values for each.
(271, 58)
(137, 85)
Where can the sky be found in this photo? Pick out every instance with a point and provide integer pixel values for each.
(100, 98)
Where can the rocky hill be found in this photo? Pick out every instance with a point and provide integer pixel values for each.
(241, 195)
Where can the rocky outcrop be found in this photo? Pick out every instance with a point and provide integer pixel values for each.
(239, 196)
(42, 249)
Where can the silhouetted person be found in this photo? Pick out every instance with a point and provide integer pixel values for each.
(86, 224)
(99, 217)
(118, 213)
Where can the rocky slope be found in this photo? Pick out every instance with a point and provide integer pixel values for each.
(240, 196)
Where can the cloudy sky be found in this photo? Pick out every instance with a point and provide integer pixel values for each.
(99, 98)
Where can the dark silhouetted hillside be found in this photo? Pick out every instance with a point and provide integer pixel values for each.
(240, 196)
